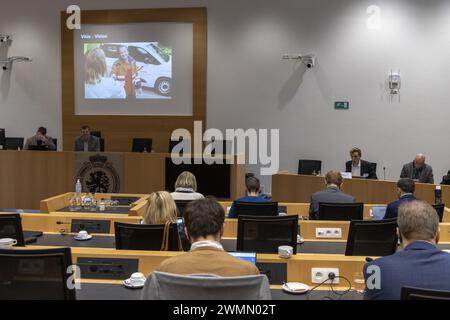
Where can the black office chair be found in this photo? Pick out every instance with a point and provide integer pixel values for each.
(11, 227)
(141, 145)
(181, 204)
(372, 238)
(439, 210)
(266, 234)
(13, 143)
(260, 209)
(97, 134)
(102, 145)
(55, 142)
(309, 167)
(144, 237)
(340, 211)
(410, 293)
(35, 274)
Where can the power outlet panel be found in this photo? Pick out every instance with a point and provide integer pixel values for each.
(319, 275)
(329, 233)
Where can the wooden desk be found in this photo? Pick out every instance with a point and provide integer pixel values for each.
(298, 188)
(29, 176)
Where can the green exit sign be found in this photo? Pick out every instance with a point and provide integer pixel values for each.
(342, 105)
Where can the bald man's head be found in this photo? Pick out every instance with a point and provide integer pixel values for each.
(419, 160)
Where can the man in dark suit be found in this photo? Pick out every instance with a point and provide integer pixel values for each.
(358, 167)
(420, 264)
(405, 193)
(87, 142)
(331, 194)
(418, 170)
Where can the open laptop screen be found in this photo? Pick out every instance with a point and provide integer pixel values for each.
(247, 256)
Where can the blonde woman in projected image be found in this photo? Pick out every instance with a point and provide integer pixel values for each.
(161, 209)
(97, 85)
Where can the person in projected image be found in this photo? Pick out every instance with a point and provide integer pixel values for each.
(97, 84)
(125, 69)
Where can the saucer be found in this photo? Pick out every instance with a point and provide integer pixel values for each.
(295, 287)
(127, 284)
(89, 237)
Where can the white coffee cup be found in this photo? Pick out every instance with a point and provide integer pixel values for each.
(83, 234)
(7, 243)
(285, 252)
(137, 279)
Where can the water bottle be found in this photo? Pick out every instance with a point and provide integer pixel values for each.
(438, 195)
(78, 186)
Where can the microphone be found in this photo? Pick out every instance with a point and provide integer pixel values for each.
(384, 173)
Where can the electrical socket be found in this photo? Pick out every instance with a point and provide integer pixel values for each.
(319, 275)
(329, 233)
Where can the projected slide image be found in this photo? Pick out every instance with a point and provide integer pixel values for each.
(127, 70)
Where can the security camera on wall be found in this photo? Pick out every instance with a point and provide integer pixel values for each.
(308, 60)
(5, 38)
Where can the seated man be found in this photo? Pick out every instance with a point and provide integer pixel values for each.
(40, 139)
(253, 189)
(331, 194)
(420, 264)
(405, 193)
(418, 170)
(204, 223)
(87, 142)
(358, 167)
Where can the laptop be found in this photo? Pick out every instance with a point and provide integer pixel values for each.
(246, 256)
(378, 213)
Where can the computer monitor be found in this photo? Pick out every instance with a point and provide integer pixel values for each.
(340, 211)
(2, 138)
(309, 167)
(97, 134)
(246, 256)
(142, 145)
(378, 212)
(13, 143)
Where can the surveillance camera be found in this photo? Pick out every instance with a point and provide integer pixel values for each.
(309, 61)
(4, 37)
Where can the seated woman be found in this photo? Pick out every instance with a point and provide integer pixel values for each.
(186, 187)
(253, 194)
(161, 208)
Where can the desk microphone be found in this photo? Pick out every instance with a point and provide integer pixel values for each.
(384, 173)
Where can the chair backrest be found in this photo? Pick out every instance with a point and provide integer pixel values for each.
(439, 210)
(373, 166)
(266, 234)
(266, 209)
(167, 286)
(372, 238)
(11, 227)
(309, 167)
(411, 293)
(102, 145)
(97, 134)
(181, 204)
(144, 237)
(340, 211)
(13, 143)
(142, 144)
(35, 274)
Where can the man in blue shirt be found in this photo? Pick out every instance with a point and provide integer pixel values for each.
(405, 193)
(253, 194)
(420, 264)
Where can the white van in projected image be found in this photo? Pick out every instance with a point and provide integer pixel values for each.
(154, 64)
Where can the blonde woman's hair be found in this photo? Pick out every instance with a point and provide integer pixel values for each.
(95, 66)
(161, 208)
(186, 180)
